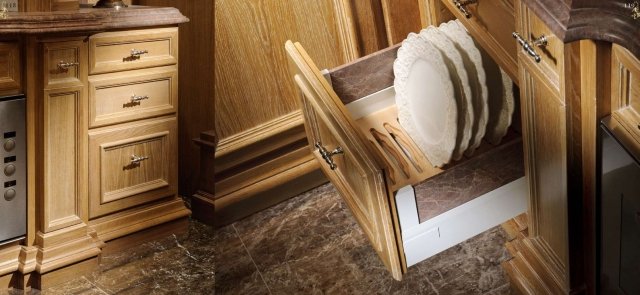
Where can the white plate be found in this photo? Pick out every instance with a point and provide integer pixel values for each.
(477, 79)
(461, 87)
(425, 99)
(500, 99)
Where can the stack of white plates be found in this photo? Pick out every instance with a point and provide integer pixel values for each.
(450, 94)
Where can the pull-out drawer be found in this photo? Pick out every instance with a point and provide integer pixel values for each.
(65, 63)
(122, 97)
(129, 50)
(542, 50)
(132, 164)
(386, 181)
(625, 92)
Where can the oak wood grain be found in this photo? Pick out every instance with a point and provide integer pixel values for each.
(251, 64)
(118, 183)
(196, 78)
(112, 97)
(625, 92)
(358, 173)
(113, 51)
(10, 68)
(401, 18)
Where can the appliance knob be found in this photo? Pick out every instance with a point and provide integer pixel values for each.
(9, 194)
(9, 170)
(9, 145)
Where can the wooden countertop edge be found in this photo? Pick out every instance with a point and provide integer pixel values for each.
(90, 20)
(574, 20)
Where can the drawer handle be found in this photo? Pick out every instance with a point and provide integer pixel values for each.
(328, 155)
(135, 160)
(635, 10)
(462, 6)
(138, 98)
(66, 65)
(542, 41)
(137, 53)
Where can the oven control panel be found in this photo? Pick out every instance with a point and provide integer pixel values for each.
(13, 168)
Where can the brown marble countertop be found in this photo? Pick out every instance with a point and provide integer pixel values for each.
(604, 20)
(88, 19)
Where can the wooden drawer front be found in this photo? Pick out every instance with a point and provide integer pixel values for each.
(65, 63)
(113, 51)
(625, 81)
(122, 97)
(552, 54)
(116, 181)
(9, 68)
(491, 23)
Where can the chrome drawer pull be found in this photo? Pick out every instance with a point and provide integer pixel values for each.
(135, 160)
(528, 48)
(328, 155)
(138, 53)
(462, 6)
(138, 98)
(66, 65)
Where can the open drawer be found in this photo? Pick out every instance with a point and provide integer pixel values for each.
(386, 181)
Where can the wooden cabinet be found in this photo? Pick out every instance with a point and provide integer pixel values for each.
(64, 133)
(10, 69)
(377, 168)
(133, 102)
(625, 91)
(105, 145)
(133, 95)
(135, 49)
(133, 164)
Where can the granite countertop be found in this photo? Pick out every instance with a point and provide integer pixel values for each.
(88, 19)
(604, 20)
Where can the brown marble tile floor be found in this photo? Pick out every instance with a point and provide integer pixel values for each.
(308, 245)
(312, 245)
(182, 264)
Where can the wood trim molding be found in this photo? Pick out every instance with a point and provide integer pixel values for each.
(346, 29)
(90, 20)
(128, 222)
(257, 142)
(254, 169)
(65, 247)
(9, 259)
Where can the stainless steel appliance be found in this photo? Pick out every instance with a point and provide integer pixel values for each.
(13, 168)
(619, 207)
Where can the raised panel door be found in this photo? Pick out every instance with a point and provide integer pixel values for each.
(355, 171)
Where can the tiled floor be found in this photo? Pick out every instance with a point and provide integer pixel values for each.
(308, 245)
(312, 245)
(181, 264)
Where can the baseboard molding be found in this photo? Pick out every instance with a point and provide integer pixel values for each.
(203, 207)
(130, 221)
(255, 169)
(528, 271)
(268, 192)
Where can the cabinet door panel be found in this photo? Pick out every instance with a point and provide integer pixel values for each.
(64, 163)
(544, 128)
(357, 174)
(625, 91)
(133, 164)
